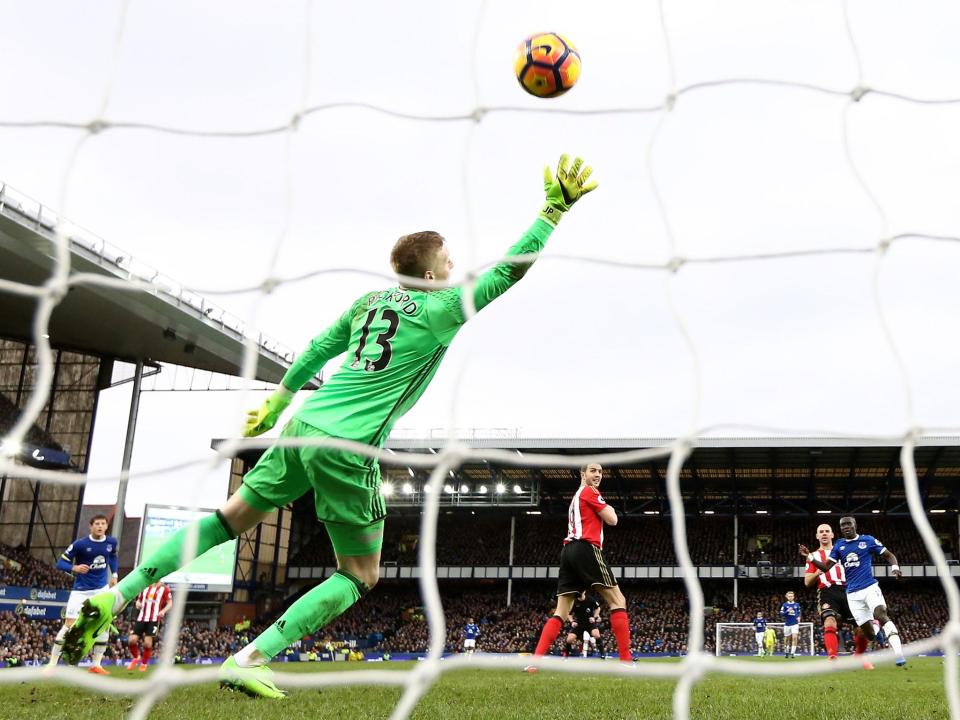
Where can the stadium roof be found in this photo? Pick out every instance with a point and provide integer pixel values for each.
(723, 476)
(166, 323)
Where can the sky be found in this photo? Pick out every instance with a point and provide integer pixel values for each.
(580, 348)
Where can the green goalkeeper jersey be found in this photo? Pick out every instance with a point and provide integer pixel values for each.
(394, 340)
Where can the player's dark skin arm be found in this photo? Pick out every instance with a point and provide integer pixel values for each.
(892, 560)
(825, 567)
(822, 567)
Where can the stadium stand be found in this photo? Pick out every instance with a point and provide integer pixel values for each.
(26, 571)
(776, 539)
(391, 619)
(35, 435)
(636, 541)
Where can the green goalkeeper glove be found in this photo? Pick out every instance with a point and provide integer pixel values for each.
(565, 187)
(259, 421)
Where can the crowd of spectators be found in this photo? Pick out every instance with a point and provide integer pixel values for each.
(26, 640)
(646, 540)
(918, 613)
(29, 641)
(776, 539)
(26, 571)
(391, 619)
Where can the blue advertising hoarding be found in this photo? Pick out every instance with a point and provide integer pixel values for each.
(34, 603)
(9, 592)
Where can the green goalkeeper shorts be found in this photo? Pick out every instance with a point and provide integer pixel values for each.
(346, 486)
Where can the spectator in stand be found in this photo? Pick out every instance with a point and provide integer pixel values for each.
(658, 615)
(32, 573)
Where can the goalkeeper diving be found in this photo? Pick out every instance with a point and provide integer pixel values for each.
(394, 340)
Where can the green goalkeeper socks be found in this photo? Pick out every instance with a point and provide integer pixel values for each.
(318, 607)
(213, 531)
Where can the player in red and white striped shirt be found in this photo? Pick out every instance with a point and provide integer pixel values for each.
(582, 566)
(153, 602)
(832, 597)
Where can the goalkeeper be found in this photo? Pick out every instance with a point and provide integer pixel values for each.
(769, 641)
(394, 340)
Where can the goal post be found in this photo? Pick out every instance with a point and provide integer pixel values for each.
(740, 639)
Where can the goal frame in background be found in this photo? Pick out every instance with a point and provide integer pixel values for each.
(804, 628)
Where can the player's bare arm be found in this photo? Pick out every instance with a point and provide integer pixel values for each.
(166, 606)
(608, 515)
(894, 565)
(810, 579)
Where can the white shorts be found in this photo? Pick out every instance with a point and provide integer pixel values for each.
(863, 602)
(76, 600)
(789, 630)
(469, 643)
(759, 638)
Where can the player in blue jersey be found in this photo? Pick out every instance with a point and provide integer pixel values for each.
(93, 562)
(470, 634)
(790, 612)
(855, 552)
(759, 628)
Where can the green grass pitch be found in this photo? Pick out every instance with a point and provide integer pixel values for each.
(887, 693)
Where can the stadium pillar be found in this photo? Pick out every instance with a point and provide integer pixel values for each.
(736, 585)
(513, 533)
(127, 452)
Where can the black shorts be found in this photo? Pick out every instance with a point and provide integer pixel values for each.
(144, 628)
(581, 567)
(832, 602)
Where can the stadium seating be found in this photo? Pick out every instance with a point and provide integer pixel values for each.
(635, 541)
(32, 573)
(391, 619)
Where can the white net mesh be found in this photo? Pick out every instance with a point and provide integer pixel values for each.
(669, 114)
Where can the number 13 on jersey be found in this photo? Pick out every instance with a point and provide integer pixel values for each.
(375, 353)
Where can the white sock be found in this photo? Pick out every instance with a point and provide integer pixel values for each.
(118, 602)
(249, 657)
(57, 646)
(893, 637)
(98, 650)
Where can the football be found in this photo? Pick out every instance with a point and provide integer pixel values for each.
(546, 65)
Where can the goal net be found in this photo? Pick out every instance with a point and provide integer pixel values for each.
(741, 639)
(661, 150)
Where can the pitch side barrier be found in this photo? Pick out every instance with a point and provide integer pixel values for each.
(623, 572)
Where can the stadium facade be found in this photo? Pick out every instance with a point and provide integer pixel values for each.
(93, 330)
